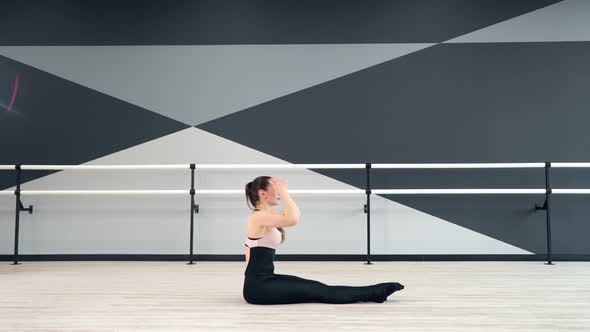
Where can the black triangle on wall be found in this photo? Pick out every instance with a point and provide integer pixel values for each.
(55, 121)
(483, 102)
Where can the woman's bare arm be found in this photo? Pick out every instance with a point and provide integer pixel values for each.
(291, 210)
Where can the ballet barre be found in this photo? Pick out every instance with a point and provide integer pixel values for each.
(300, 191)
(194, 208)
(295, 191)
(296, 166)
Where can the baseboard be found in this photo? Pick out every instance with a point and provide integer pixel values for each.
(295, 257)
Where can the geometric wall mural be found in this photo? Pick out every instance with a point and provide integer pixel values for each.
(307, 82)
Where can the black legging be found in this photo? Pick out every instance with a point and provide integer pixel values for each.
(263, 286)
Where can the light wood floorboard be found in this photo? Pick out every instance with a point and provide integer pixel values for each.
(207, 296)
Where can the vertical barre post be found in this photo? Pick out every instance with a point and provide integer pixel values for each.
(192, 212)
(368, 211)
(548, 210)
(17, 213)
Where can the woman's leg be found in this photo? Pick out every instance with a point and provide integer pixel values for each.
(283, 289)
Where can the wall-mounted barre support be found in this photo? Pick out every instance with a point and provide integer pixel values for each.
(193, 209)
(19, 208)
(368, 211)
(547, 208)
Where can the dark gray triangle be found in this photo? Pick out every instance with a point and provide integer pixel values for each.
(497, 102)
(55, 121)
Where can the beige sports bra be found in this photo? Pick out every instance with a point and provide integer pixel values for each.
(271, 239)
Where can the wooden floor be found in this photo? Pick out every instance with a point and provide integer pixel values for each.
(172, 296)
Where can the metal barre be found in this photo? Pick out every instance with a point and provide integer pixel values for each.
(296, 166)
(100, 167)
(291, 191)
(255, 166)
(183, 166)
(458, 165)
(300, 191)
(367, 191)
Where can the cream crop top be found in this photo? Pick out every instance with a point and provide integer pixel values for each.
(271, 239)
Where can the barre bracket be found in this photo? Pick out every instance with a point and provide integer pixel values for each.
(21, 207)
(539, 207)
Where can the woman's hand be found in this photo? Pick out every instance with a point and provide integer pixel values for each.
(279, 184)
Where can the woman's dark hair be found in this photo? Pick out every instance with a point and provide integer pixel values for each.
(252, 197)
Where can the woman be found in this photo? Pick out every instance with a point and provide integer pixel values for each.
(265, 232)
